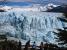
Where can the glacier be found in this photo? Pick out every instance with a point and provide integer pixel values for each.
(31, 25)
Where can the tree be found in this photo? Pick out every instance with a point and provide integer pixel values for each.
(63, 33)
(62, 36)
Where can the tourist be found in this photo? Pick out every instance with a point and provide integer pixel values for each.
(41, 46)
(27, 45)
(34, 46)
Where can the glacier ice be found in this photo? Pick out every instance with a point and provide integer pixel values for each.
(36, 26)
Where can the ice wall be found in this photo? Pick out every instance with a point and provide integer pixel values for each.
(36, 26)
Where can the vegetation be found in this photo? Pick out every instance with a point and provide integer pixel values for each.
(62, 33)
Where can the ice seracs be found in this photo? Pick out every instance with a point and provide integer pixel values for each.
(36, 26)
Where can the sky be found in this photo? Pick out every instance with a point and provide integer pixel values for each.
(14, 0)
(39, 1)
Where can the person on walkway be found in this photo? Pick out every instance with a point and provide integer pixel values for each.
(19, 46)
(41, 46)
(34, 46)
(27, 45)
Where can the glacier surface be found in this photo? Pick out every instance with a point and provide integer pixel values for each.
(36, 26)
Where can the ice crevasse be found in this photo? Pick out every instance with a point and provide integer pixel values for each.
(36, 26)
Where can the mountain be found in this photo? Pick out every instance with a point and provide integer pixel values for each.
(47, 7)
(58, 9)
(33, 7)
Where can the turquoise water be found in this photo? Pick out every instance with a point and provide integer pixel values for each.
(16, 3)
